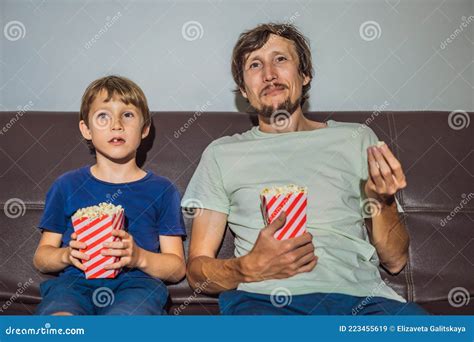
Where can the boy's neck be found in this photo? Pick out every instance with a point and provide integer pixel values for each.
(113, 172)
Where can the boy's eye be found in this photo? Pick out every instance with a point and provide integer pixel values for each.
(128, 115)
(102, 120)
(254, 65)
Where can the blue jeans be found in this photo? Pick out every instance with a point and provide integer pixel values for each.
(123, 295)
(236, 302)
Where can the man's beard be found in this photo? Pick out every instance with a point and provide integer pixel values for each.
(285, 107)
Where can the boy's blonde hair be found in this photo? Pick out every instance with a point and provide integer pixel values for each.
(127, 90)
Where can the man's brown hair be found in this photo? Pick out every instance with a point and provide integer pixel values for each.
(127, 90)
(257, 37)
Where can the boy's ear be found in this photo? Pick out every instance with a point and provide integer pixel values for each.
(145, 131)
(85, 131)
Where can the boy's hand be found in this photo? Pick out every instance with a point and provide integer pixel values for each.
(126, 249)
(74, 255)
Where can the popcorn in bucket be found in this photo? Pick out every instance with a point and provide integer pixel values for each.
(293, 200)
(93, 225)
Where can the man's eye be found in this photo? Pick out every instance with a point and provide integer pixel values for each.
(281, 58)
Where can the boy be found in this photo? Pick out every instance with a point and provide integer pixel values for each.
(114, 118)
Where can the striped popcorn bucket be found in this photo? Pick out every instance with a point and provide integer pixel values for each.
(95, 232)
(290, 199)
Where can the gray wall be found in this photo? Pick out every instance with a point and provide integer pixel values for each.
(420, 58)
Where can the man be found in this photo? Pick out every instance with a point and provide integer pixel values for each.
(333, 267)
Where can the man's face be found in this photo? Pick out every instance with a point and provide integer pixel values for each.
(271, 77)
(115, 128)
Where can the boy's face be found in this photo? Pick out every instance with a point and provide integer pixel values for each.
(115, 128)
(271, 75)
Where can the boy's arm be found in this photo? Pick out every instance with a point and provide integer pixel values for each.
(168, 265)
(50, 257)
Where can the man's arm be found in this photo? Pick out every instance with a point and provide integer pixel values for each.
(269, 258)
(388, 233)
(390, 238)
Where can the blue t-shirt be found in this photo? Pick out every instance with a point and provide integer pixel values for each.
(151, 205)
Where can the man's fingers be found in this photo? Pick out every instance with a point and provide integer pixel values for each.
(308, 267)
(302, 251)
(393, 163)
(278, 223)
(302, 240)
(307, 258)
(385, 169)
(374, 171)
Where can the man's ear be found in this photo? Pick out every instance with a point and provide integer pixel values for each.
(85, 131)
(306, 79)
(146, 131)
(243, 92)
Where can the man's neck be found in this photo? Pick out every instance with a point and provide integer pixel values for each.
(116, 172)
(283, 124)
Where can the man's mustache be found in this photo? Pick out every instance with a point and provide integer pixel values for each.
(273, 85)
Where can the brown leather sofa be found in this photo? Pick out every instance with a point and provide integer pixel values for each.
(37, 147)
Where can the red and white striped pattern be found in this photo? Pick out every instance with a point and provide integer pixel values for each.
(95, 232)
(294, 205)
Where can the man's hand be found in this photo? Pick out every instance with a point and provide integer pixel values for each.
(125, 248)
(74, 255)
(387, 233)
(386, 175)
(274, 259)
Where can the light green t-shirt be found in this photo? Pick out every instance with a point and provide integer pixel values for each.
(332, 163)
